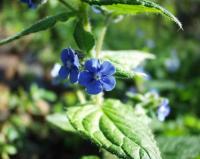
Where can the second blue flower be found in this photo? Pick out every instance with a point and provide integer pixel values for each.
(97, 76)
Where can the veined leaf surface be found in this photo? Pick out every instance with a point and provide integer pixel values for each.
(114, 127)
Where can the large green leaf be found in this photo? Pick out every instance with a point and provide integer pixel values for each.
(41, 25)
(115, 127)
(133, 7)
(126, 61)
(61, 121)
(185, 147)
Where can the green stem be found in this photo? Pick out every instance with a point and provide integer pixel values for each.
(99, 99)
(67, 5)
(139, 83)
(84, 12)
(102, 36)
(81, 96)
(100, 41)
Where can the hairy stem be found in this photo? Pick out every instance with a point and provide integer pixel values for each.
(98, 99)
(102, 36)
(81, 96)
(84, 13)
(100, 41)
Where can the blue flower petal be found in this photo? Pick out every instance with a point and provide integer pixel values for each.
(92, 65)
(85, 78)
(163, 112)
(94, 88)
(76, 61)
(74, 73)
(67, 54)
(64, 55)
(108, 83)
(107, 68)
(165, 102)
(71, 54)
(63, 72)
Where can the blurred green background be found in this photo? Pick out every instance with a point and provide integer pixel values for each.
(28, 95)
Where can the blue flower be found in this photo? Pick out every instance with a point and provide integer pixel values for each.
(97, 76)
(172, 63)
(30, 3)
(163, 110)
(70, 65)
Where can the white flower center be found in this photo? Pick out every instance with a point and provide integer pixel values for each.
(97, 76)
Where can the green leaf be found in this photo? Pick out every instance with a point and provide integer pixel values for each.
(115, 127)
(84, 39)
(10, 149)
(132, 7)
(126, 60)
(185, 147)
(40, 93)
(41, 25)
(60, 120)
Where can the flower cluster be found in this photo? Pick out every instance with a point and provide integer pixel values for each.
(163, 110)
(96, 76)
(30, 3)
